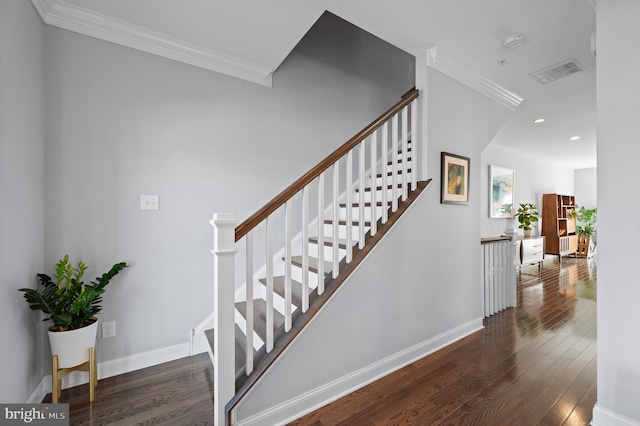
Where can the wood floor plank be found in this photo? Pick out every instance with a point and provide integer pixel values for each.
(581, 414)
(565, 404)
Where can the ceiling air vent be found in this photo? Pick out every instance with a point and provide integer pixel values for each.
(558, 71)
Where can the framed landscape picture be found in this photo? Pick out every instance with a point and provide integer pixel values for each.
(455, 179)
(501, 183)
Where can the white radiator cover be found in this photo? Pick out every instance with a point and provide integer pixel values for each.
(498, 276)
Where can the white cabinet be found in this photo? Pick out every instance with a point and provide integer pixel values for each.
(530, 251)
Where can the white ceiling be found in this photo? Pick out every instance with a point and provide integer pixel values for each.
(250, 38)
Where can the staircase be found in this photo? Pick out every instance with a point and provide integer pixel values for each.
(369, 182)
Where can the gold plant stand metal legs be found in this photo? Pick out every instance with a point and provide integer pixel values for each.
(58, 373)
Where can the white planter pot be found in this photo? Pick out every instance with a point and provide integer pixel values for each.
(72, 347)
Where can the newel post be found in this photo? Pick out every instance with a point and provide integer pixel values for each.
(224, 251)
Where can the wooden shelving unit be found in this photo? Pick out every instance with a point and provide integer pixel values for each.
(558, 229)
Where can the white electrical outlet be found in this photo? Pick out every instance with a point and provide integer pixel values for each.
(108, 329)
(149, 202)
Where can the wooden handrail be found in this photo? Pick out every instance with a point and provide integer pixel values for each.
(273, 205)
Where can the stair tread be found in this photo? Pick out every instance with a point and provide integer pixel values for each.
(400, 160)
(296, 289)
(399, 171)
(367, 204)
(260, 316)
(239, 344)
(379, 188)
(240, 351)
(313, 264)
(344, 222)
(328, 241)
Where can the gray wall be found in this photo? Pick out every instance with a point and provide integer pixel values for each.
(533, 178)
(419, 289)
(21, 196)
(121, 123)
(586, 184)
(460, 121)
(618, 91)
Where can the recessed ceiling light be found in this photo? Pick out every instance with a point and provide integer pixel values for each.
(574, 138)
(513, 41)
(538, 120)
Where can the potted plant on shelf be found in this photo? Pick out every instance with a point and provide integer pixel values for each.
(572, 215)
(527, 215)
(585, 228)
(72, 306)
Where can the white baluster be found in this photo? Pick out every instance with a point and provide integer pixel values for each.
(511, 268)
(249, 298)
(395, 156)
(385, 167)
(349, 210)
(224, 307)
(361, 178)
(405, 153)
(414, 145)
(305, 248)
(336, 218)
(488, 262)
(287, 266)
(269, 295)
(496, 276)
(321, 233)
(374, 201)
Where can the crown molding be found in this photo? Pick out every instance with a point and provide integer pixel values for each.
(61, 14)
(465, 74)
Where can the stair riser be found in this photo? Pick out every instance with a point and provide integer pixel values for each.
(342, 231)
(367, 197)
(389, 167)
(327, 251)
(402, 156)
(296, 275)
(355, 213)
(378, 181)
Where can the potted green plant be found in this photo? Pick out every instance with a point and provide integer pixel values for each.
(585, 228)
(527, 214)
(586, 221)
(72, 306)
(572, 215)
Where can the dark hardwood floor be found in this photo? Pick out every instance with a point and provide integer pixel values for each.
(531, 365)
(176, 393)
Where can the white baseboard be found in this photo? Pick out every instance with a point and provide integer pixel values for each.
(43, 388)
(604, 417)
(321, 396)
(114, 368)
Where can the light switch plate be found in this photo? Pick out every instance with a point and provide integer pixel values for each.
(148, 202)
